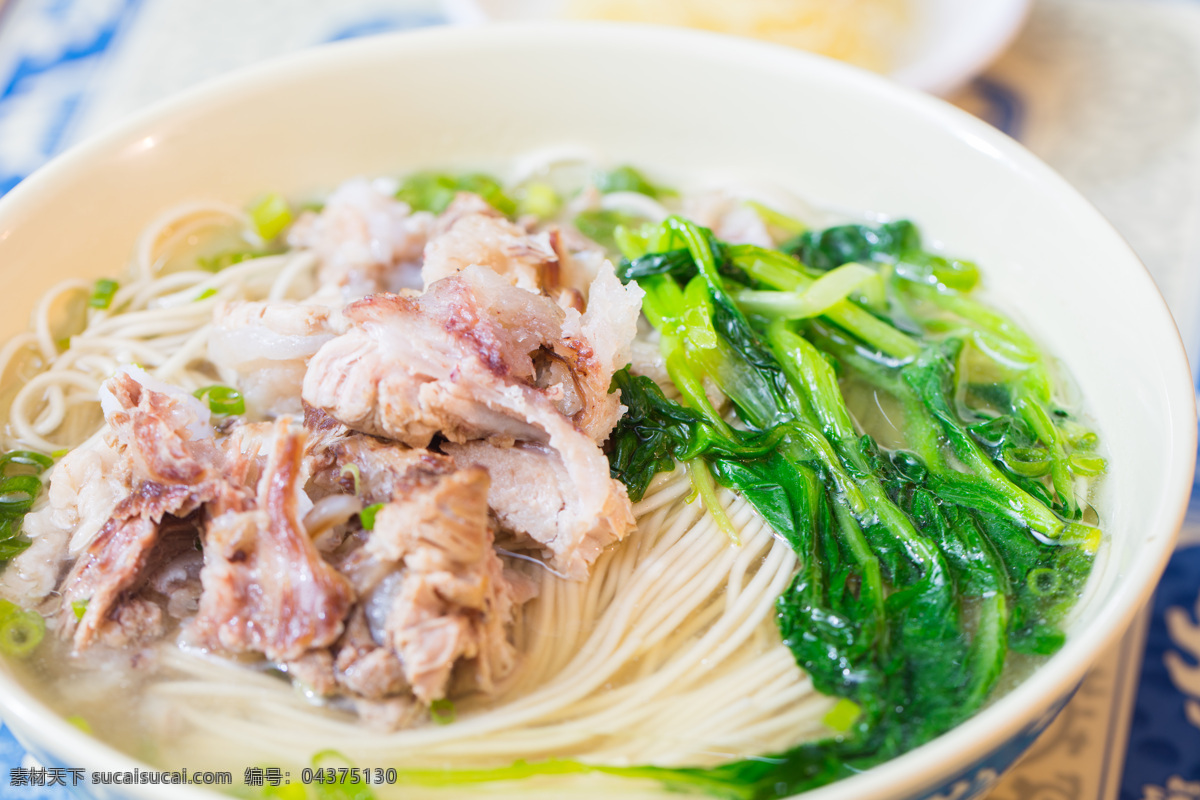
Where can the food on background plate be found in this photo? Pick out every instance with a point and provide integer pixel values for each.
(575, 479)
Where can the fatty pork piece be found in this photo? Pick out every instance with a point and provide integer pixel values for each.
(470, 232)
(445, 597)
(85, 488)
(164, 435)
(365, 239)
(340, 460)
(460, 361)
(266, 345)
(265, 587)
(531, 491)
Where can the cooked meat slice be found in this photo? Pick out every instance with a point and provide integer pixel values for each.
(313, 671)
(85, 487)
(133, 622)
(468, 235)
(533, 493)
(464, 204)
(178, 579)
(451, 600)
(266, 345)
(408, 368)
(379, 470)
(364, 668)
(602, 341)
(164, 430)
(460, 361)
(266, 588)
(115, 562)
(391, 714)
(245, 451)
(445, 364)
(111, 565)
(729, 218)
(366, 240)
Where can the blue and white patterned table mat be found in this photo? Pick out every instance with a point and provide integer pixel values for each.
(1106, 91)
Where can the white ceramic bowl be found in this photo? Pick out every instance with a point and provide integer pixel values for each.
(947, 43)
(689, 104)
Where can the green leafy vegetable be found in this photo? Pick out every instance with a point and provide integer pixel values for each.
(829, 248)
(600, 225)
(434, 191)
(627, 179)
(920, 569)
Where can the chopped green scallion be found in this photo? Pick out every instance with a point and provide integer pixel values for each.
(843, 715)
(223, 400)
(27, 458)
(21, 631)
(442, 711)
(270, 215)
(540, 200)
(353, 471)
(79, 607)
(367, 516)
(17, 494)
(102, 293)
(80, 722)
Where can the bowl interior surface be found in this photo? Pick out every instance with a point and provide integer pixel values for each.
(687, 104)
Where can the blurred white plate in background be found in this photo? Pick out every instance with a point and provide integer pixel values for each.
(932, 45)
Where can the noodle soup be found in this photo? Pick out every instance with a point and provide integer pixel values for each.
(351, 477)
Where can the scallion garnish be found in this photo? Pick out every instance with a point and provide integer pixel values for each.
(21, 631)
(353, 471)
(26, 458)
(367, 516)
(442, 711)
(207, 293)
(539, 199)
(79, 607)
(227, 258)
(271, 215)
(102, 293)
(80, 722)
(223, 400)
(17, 494)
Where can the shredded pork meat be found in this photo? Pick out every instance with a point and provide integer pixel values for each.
(365, 240)
(474, 408)
(265, 346)
(166, 438)
(474, 377)
(266, 588)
